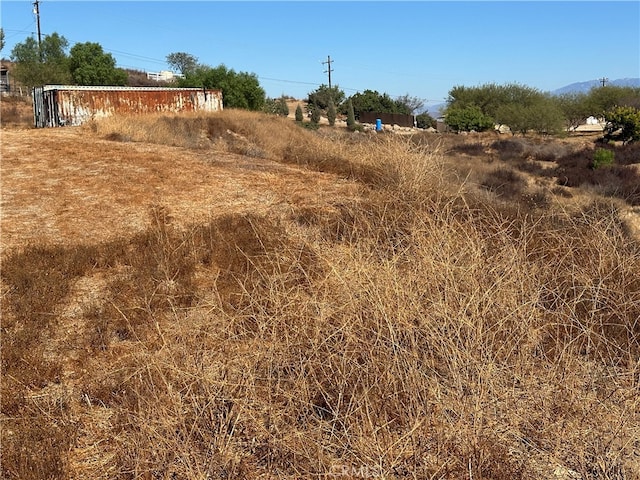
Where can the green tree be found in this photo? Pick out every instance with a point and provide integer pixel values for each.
(515, 116)
(315, 113)
(182, 62)
(299, 114)
(239, 90)
(465, 119)
(1, 39)
(277, 106)
(490, 97)
(520, 107)
(44, 64)
(351, 118)
(603, 99)
(623, 123)
(543, 116)
(424, 120)
(331, 114)
(487, 97)
(574, 107)
(546, 117)
(323, 96)
(90, 65)
(373, 101)
(409, 104)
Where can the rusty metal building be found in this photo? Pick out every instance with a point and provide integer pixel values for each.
(60, 105)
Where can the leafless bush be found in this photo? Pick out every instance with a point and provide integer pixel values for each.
(504, 182)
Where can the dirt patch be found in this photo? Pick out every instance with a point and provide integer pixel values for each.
(65, 186)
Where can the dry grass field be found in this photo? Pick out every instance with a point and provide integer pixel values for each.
(233, 296)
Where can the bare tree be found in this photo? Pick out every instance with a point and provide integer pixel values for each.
(412, 103)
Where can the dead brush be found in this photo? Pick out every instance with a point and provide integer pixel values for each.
(36, 434)
(16, 111)
(420, 332)
(504, 182)
(248, 134)
(599, 299)
(405, 363)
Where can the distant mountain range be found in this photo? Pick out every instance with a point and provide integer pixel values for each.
(578, 87)
(584, 87)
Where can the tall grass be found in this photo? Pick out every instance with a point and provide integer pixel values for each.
(421, 332)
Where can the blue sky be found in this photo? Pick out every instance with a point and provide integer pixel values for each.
(420, 48)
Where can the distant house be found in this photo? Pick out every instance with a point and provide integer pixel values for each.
(164, 76)
(4, 79)
(591, 125)
(60, 105)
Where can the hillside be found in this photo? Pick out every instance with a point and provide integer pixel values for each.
(233, 296)
(584, 87)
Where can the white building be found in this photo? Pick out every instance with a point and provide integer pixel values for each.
(164, 76)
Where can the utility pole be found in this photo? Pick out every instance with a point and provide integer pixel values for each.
(329, 69)
(604, 81)
(36, 11)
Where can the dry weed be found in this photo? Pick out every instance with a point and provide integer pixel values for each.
(421, 331)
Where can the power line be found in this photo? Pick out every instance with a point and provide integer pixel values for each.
(17, 32)
(287, 81)
(329, 69)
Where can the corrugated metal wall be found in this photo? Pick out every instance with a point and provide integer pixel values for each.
(45, 111)
(55, 105)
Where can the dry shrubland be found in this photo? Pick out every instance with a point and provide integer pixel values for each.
(429, 326)
(15, 111)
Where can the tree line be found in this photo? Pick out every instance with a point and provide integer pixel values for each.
(523, 109)
(52, 62)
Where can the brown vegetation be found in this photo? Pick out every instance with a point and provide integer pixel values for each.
(16, 111)
(233, 296)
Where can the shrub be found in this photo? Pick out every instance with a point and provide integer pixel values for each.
(331, 114)
(619, 181)
(299, 114)
(628, 154)
(532, 167)
(623, 123)
(351, 117)
(315, 114)
(504, 182)
(538, 199)
(424, 120)
(468, 118)
(510, 149)
(473, 149)
(602, 157)
(276, 106)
